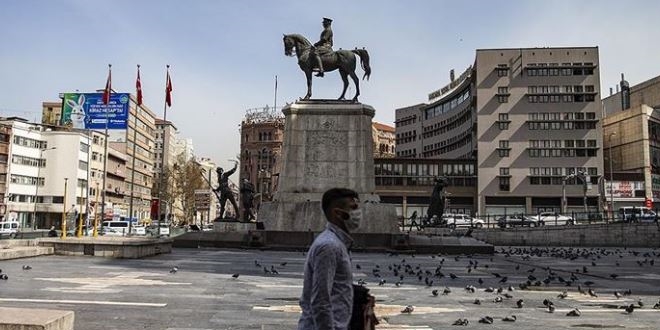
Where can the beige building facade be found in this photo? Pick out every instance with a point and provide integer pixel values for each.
(384, 140)
(529, 119)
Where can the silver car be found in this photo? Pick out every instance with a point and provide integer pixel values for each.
(553, 218)
(462, 220)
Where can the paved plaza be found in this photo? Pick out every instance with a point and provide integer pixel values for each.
(147, 294)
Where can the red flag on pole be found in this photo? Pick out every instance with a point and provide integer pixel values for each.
(138, 87)
(168, 89)
(108, 86)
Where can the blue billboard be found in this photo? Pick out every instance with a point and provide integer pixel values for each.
(87, 111)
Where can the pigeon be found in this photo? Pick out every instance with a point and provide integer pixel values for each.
(640, 303)
(478, 302)
(614, 276)
(461, 322)
(4, 277)
(519, 303)
(657, 305)
(357, 266)
(504, 279)
(283, 264)
(446, 291)
(27, 267)
(630, 308)
(588, 283)
(486, 320)
(434, 293)
(257, 264)
(480, 281)
(273, 270)
(592, 293)
(266, 271)
(511, 318)
(408, 310)
(617, 294)
(382, 282)
(398, 283)
(574, 312)
(551, 308)
(498, 299)
(174, 270)
(453, 276)
(547, 302)
(489, 289)
(563, 295)
(236, 275)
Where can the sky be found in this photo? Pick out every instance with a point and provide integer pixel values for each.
(224, 55)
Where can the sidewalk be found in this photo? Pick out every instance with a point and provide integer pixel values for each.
(22, 248)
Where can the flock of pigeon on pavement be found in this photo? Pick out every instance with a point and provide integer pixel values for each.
(578, 280)
(404, 272)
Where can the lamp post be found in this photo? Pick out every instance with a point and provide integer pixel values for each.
(609, 139)
(36, 190)
(64, 210)
(95, 233)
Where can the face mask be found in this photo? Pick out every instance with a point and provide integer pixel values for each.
(352, 219)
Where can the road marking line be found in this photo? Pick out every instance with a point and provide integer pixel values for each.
(91, 302)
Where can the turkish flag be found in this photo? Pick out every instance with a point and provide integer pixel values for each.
(138, 87)
(168, 90)
(108, 87)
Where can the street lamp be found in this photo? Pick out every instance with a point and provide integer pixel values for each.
(36, 189)
(609, 139)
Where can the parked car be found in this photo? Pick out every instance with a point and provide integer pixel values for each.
(115, 228)
(9, 228)
(636, 214)
(553, 218)
(518, 220)
(462, 220)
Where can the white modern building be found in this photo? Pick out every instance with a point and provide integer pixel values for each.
(51, 165)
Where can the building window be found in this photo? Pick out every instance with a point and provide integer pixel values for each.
(504, 183)
(504, 171)
(82, 165)
(504, 149)
(503, 94)
(503, 121)
(502, 70)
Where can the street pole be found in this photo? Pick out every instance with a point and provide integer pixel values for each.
(64, 210)
(208, 220)
(96, 217)
(563, 195)
(79, 233)
(105, 152)
(609, 138)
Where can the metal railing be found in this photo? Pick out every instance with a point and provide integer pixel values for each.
(512, 220)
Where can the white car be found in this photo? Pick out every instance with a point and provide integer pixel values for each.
(138, 230)
(552, 218)
(9, 228)
(462, 220)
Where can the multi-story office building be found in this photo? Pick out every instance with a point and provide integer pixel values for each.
(631, 135)
(142, 125)
(42, 162)
(384, 140)
(166, 140)
(116, 183)
(529, 118)
(5, 143)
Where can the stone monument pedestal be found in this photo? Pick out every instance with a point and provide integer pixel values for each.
(327, 144)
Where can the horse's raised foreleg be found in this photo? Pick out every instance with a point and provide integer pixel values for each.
(344, 78)
(308, 74)
(357, 85)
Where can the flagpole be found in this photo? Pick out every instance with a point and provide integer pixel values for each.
(105, 147)
(162, 147)
(135, 121)
(275, 103)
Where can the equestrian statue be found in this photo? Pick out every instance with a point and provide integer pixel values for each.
(321, 58)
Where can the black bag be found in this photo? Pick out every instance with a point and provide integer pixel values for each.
(362, 316)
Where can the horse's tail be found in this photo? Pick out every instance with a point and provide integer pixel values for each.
(364, 61)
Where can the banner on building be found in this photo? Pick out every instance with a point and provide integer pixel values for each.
(624, 189)
(87, 111)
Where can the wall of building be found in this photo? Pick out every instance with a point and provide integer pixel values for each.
(261, 150)
(508, 97)
(408, 130)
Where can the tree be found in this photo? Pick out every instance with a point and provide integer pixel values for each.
(187, 178)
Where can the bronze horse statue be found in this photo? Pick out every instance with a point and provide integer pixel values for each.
(342, 60)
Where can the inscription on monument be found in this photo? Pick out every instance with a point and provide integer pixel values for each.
(325, 145)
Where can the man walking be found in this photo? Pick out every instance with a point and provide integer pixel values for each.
(327, 297)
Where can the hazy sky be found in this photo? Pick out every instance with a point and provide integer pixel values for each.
(225, 54)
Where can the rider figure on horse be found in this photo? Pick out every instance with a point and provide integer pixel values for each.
(324, 45)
